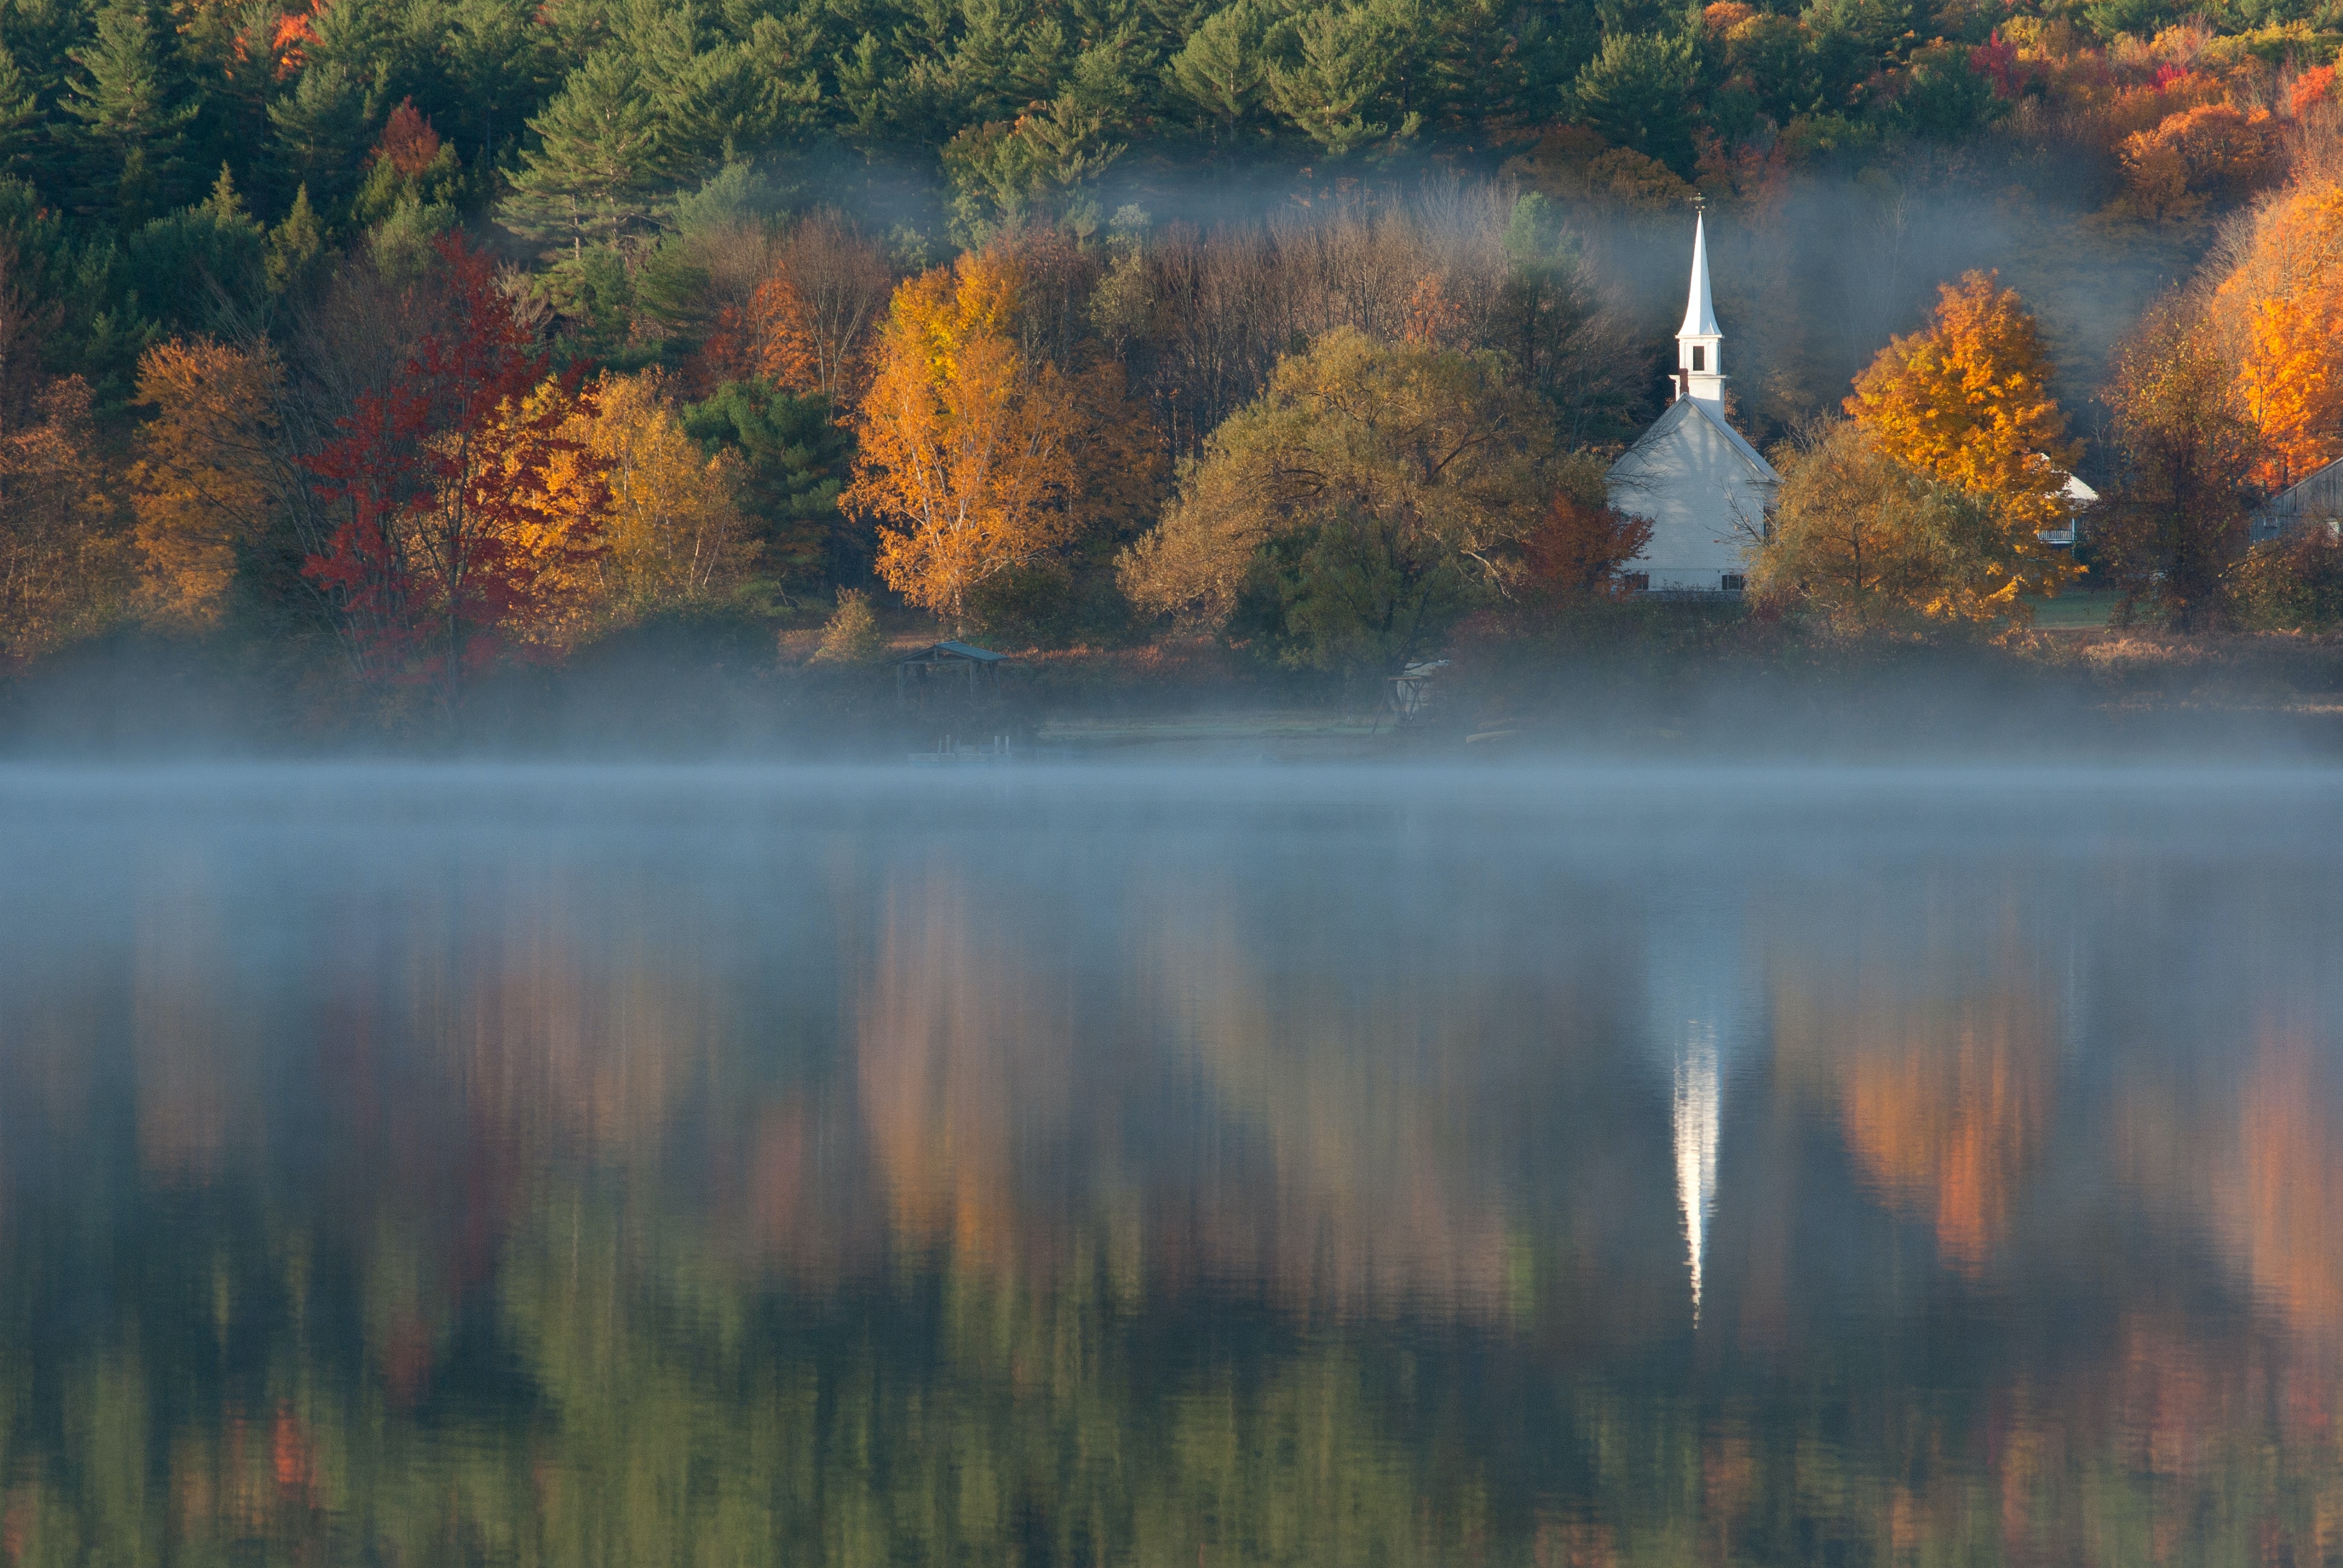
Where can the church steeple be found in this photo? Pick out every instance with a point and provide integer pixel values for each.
(1698, 373)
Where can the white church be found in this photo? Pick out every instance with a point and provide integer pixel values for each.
(1704, 488)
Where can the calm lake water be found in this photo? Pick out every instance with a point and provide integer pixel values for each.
(1181, 1167)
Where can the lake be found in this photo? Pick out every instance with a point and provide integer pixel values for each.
(1095, 1165)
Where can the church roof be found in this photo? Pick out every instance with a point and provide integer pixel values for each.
(1684, 408)
(1700, 315)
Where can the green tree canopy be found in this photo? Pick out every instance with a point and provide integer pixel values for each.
(128, 155)
(1401, 477)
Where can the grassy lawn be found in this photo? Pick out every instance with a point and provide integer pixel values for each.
(2074, 611)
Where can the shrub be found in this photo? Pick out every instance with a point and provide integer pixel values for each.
(851, 634)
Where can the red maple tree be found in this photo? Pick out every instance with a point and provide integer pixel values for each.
(459, 531)
(409, 143)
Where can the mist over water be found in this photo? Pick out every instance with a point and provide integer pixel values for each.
(1604, 1165)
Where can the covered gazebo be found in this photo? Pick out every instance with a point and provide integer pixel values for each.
(944, 660)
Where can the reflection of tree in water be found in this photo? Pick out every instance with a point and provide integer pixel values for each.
(549, 1221)
(1946, 1104)
(965, 1060)
(2280, 1200)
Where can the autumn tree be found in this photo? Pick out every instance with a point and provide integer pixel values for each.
(410, 166)
(2174, 522)
(60, 559)
(1870, 541)
(2212, 153)
(1575, 551)
(851, 635)
(671, 527)
(965, 462)
(2276, 317)
(1966, 401)
(2292, 583)
(471, 515)
(211, 468)
(810, 322)
(60, 564)
(1376, 485)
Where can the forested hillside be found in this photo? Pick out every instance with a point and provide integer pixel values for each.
(402, 338)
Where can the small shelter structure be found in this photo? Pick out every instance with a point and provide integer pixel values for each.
(1412, 690)
(2317, 499)
(2080, 499)
(947, 659)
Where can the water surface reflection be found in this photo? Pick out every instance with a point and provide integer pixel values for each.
(1554, 1167)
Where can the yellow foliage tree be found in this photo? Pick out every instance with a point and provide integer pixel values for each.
(673, 530)
(965, 459)
(1966, 401)
(555, 526)
(208, 470)
(2278, 315)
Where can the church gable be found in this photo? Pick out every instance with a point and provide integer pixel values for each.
(1701, 485)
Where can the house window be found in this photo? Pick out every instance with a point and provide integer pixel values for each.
(1699, 356)
(1636, 582)
(1732, 582)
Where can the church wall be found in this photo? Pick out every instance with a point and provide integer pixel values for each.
(1700, 495)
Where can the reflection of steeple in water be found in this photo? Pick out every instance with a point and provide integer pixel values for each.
(1698, 1102)
(1699, 1020)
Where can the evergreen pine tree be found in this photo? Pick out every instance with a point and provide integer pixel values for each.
(600, 159)
(20, 116)
(294, 245)
(128, 159)
(1220, 69)
(321, 136)
(38, 34)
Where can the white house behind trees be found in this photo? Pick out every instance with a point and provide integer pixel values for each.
(1703, 486)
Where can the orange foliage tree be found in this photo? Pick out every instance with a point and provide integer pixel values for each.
(2278, 315)
(1966, 401)
(965, 457)
(2212, 153)
(808, 324)
(58, 555)
(209, 471)
(1576, 551)
(2312, 88)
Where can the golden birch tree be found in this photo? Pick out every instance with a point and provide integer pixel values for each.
(965, 461)
(672, 528)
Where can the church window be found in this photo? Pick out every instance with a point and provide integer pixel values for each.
(1732, 582)
(1699, 356)
(1636, 582)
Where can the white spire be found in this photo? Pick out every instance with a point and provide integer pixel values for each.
(1699, 344)
(1700, 315)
